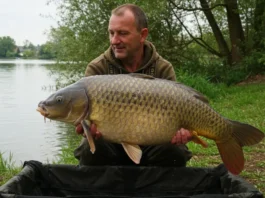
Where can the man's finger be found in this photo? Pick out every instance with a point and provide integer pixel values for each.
(79, 129)
(182, 136)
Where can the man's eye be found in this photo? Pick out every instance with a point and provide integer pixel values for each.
(123, 33)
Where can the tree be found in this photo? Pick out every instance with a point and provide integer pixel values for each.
(201, 36)
(7, 46)
(30, 50)
(28, 45)
(82, 33)
(259, 24)
(28, 53)
(47, 51)
(233, 49)
(18, 52)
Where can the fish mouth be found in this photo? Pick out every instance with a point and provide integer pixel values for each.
(43, 111)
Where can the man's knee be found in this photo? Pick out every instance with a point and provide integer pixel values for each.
(106, 153)
(113, 154)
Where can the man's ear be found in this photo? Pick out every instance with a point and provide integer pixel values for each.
(144, 34)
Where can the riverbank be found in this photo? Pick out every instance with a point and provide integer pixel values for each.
(25, 61)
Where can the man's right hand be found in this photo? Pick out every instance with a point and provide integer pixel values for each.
(79, 129)
(93, 130)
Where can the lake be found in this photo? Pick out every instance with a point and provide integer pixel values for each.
(23, 132)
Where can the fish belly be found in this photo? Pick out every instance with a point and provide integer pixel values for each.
(137, 126)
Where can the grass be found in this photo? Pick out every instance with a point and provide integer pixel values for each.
(242, 103)
(7, 168)
(66, 155)
(245, 104)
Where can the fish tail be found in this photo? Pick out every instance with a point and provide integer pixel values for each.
(231, 150)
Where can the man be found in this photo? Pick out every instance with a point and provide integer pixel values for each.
(129, 52)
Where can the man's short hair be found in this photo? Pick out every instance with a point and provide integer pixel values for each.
(139, 15)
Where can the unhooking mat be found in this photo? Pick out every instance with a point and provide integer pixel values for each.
(47, 180)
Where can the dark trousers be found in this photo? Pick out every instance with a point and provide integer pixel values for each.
(114, 154)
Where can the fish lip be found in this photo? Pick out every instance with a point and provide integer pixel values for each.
(43, 111)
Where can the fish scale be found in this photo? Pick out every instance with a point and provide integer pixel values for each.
(139, 102)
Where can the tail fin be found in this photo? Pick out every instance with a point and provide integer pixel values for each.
(245, 134)
(231, 150)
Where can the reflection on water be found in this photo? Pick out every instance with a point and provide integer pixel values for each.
(23, 131)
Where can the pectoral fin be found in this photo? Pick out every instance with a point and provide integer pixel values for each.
(89, 136)
(133, 151)
(198, 140)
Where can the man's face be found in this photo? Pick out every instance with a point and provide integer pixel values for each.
(124, 37)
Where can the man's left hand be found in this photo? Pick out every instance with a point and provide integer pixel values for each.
(182, 136)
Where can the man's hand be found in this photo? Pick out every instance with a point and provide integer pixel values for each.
(79, 129)
(182, 136)
(93, 130)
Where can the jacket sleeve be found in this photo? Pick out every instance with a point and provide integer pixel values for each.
(165, 70)
(97, 66)
(92, 69)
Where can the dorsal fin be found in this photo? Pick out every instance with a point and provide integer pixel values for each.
(195, 93)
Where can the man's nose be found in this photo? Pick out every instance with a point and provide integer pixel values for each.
(115, 39)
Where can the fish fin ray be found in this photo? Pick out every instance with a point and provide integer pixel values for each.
(245, 134)
(231, 150)
(89, 136)
(198, 140)
(232, 156)
(194, 92)
(133, 151)
(201, 98)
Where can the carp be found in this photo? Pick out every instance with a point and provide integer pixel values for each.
(137, 109)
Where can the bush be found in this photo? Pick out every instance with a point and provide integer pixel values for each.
(254, 62)
(10, 54)
(201, 84)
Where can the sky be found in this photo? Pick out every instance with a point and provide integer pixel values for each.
(27, 20)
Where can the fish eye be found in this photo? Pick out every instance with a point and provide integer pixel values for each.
(59, 99)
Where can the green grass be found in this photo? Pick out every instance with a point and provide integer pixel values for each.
(242, 103)
(71, 142)
(245, 104)
(7, 168)
(201, 84)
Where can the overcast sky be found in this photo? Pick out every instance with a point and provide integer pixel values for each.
(24, 20)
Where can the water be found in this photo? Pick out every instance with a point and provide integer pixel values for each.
(23, 132)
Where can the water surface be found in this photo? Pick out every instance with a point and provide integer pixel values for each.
(23, 132)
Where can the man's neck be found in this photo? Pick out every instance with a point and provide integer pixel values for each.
(134, 63)
(133, 66)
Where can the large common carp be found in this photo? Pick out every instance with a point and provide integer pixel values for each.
(138, 109)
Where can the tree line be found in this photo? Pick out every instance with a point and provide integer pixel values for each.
(9, 49)
(223, 40)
